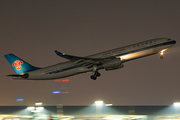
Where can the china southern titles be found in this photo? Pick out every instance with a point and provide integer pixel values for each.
(108, 60)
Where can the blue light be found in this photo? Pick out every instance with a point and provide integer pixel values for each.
(56, 91)
(19, 99)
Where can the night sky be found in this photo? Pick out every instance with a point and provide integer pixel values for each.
(33, 29)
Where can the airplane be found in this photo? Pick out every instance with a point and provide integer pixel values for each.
(108, 60)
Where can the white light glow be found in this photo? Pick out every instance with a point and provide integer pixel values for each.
(30, 108)
(35, 111)
(162, 51)
(124, 57)
(38, 104)
(177, 104)
(39, 108)
(99, 102)
(108, 104)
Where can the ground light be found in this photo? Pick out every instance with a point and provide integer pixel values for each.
(99, 107)
(30, 108)
(99, 103)
(38, 107)
(177, 107)
(177, 104)
(35, 109)
(38, 104)
(108, 104)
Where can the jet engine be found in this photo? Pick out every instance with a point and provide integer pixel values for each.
(113, 64)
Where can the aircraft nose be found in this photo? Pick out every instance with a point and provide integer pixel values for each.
(174, 42)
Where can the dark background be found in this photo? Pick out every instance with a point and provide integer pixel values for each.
(33, 29)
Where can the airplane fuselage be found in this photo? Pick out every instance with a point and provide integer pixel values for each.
(124, 54)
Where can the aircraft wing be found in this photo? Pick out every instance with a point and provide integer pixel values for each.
(84, 61)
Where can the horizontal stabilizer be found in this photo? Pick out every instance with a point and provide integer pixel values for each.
(19, 76)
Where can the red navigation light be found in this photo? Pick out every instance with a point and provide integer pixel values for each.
(57, 80)
(65, 80)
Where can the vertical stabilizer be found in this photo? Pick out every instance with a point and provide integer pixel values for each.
(19, 65)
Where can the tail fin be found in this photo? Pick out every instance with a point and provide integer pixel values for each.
(19, 65)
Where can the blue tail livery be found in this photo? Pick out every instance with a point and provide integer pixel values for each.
(19, 65)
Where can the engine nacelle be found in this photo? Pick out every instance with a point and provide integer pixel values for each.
(113, 64)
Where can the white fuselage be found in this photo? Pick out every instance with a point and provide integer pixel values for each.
(126, 53)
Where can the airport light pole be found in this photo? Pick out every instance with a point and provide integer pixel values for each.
(99, 107)
(177, 107)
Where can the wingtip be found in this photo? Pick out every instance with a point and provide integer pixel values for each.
(56, 51)
(59, 53)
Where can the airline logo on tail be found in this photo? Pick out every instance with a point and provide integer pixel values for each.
(17, 64)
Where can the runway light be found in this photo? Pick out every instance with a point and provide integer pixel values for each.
(108, 104)
(65, 80)
(57, 80)
(19, 99)
(98, 103)
(38, 104)
(56, 92)
(30, 108)
(177, 103)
